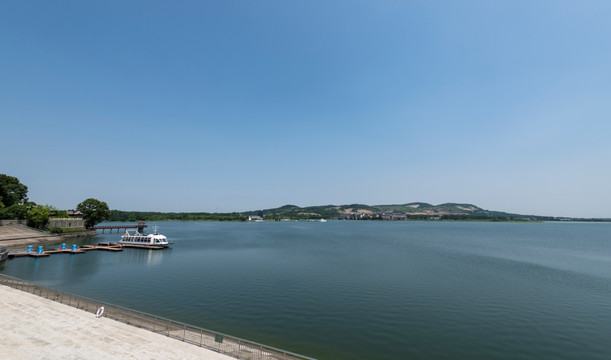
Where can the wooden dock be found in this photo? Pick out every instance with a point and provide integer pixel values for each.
(64, 251)
(113, 247)
(100, 247)
(30, 254)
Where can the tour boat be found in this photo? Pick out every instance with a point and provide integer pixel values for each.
(136, 238)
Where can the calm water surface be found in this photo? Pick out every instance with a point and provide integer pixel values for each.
(365, 290)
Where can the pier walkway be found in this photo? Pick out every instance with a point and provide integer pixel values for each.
(30, 330)
(140, 226)
(114, 247)
(33, 327)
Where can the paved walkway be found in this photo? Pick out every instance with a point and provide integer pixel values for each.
(37, 328)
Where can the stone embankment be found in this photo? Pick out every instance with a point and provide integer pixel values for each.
(15, 235)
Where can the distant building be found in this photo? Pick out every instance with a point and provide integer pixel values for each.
(74, 214)
(353, 216)
(394, 216)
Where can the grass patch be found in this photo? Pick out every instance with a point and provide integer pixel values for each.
(56, 230)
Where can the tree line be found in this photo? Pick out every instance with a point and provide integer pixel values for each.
(133, 216)
(15, 205)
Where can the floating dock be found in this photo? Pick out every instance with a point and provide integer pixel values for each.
(100, 247)
(63, 251)
(113, 247)
(24, 254)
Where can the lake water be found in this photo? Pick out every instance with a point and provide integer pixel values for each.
(365, 290)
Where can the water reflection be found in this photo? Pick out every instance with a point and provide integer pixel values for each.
(55, 269)
(345, 290)
(137, 257)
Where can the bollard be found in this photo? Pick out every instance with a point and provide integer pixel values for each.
(74, 247)
(30, 248)
(63, 246)
(39, 250)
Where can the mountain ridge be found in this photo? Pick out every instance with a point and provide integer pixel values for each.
(413, 210)
(407, 211)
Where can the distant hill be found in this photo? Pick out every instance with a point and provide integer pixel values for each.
(415, 210)
(410, 211)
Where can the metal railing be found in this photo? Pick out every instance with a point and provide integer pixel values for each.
(209, 339)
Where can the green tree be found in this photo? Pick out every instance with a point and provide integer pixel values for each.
(94, 211)
(13, 196)
(38, 216)
(17, 211)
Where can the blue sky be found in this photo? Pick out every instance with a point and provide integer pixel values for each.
(242, 105)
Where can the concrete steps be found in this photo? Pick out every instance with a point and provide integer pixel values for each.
(13, 235)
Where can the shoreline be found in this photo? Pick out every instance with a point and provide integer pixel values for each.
(50, 239)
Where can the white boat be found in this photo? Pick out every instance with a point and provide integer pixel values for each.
(136, 238)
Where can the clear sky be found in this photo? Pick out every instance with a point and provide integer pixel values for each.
(242, 105)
